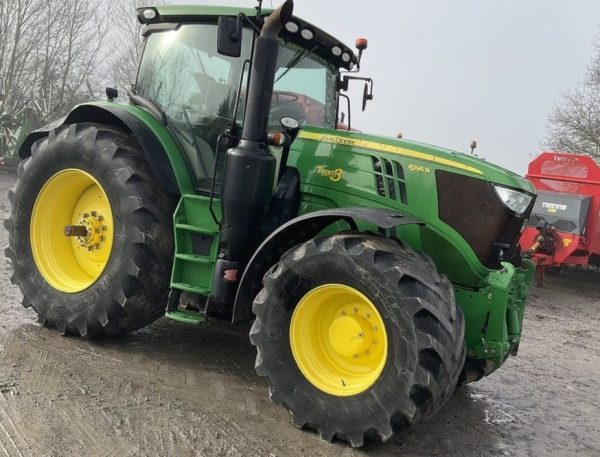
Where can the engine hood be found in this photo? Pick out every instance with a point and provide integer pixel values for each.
(422, 154)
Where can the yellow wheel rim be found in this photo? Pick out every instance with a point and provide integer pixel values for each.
(71, 201)
(338, 340)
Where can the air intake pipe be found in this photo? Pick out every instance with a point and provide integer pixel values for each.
(250, 167)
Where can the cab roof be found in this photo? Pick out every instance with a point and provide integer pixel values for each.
(321, 44)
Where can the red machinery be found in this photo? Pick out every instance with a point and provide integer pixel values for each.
(564, 228)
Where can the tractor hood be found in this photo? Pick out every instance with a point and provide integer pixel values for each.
(424, 157)
(473, 211)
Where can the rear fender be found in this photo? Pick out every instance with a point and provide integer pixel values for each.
(297, 231)
(162, 153)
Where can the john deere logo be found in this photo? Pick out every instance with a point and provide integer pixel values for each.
(334, 175)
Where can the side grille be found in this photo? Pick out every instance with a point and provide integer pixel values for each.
(565, 226)
(471, 207)
(561, 225)
(389, 179)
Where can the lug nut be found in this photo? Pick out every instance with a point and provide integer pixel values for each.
(94, 213)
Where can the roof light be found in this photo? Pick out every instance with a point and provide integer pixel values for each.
(307, 34)
(292, 27)
(149, 14)
(361, 44)
(346, 57)
(336, 51)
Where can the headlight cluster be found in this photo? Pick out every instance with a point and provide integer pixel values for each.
(513, 199)
(308, 34)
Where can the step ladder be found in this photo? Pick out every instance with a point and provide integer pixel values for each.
(196, 251)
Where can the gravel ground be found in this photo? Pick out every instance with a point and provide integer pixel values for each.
(172, 389)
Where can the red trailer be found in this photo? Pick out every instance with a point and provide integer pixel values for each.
(564, 228)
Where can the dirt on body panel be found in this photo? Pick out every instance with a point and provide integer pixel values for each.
(180, 390)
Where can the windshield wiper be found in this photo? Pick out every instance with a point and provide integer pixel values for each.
(294, 61)
(148, 105)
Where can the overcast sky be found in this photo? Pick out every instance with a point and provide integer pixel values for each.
(447, 72)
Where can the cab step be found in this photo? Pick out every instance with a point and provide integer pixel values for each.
(186, 317)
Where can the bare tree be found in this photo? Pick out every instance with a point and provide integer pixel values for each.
(18, 22)
(127, 51)
(49, 55)
(574, 123)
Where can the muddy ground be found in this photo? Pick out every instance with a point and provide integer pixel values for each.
(172, 389)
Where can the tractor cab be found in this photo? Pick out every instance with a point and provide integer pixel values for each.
(202, 91)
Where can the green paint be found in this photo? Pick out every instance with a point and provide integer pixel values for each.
(494, 314)
(163, 135)
(186, 317)
(357, 187)
(196, 244)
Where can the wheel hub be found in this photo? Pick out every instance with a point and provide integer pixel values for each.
(71, 230)
(350, 335)
(90, 232)
(338, 339)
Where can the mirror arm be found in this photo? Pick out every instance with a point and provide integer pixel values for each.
(349, 119)
(243, 17)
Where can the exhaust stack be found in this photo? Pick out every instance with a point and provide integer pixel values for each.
(250, 167)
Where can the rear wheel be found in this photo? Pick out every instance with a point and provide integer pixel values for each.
(90, 237)
(358, 336)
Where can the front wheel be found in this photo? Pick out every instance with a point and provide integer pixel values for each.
(90, 234)
(358, 336)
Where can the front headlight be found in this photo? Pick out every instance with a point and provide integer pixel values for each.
(513, 199)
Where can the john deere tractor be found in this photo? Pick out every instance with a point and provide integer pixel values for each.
(380, 273)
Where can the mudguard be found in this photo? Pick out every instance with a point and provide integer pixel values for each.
(122, 117)
(297, 231)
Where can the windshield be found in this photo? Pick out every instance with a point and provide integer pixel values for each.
(197, 89)
(304, 89)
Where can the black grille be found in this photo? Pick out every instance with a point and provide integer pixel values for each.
(389, 179)
(473, 209)
(565, 226)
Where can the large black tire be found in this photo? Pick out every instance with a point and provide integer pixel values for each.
(425, 331)
(132, 290)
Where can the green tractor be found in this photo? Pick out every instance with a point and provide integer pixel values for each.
(380, 273)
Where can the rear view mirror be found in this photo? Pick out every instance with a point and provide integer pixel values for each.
(229, 36)
(367, 95)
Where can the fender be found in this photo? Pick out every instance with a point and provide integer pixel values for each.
(158, 145)
(297, 231)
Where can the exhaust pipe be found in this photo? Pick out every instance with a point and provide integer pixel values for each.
(250, 167)
(263, 73)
